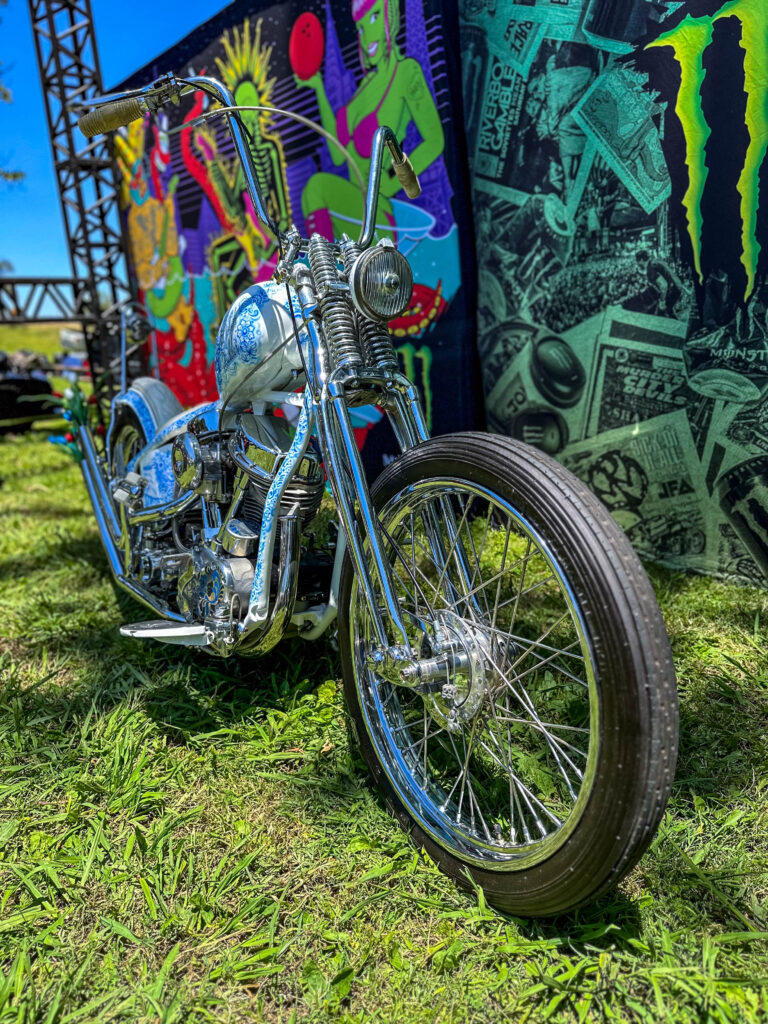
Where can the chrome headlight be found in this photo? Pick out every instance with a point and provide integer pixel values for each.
(381, 282)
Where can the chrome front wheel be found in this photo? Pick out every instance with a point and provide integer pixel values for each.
(495, 738)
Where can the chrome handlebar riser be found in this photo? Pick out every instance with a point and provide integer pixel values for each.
(384, 137)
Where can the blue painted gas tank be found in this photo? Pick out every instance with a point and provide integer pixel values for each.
(256, 348)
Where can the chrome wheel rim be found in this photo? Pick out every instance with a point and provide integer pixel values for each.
(496, 763)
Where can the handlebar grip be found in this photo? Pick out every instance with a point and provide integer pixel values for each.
(110, 115)
(407, 177)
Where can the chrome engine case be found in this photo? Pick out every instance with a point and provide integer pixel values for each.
(212, 587)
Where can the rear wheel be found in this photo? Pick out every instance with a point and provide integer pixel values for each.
(128, 439)
(540, 759)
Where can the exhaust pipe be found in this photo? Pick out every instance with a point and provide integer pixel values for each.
(259, 641)
(109, 527)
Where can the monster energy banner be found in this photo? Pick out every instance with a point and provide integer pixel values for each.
(617, 152)
(194, 240)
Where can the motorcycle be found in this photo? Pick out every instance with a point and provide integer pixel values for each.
(505, 665)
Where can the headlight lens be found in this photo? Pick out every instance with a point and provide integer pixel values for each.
(381, 282)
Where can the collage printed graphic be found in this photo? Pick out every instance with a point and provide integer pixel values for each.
(615, 153)
(195, 241)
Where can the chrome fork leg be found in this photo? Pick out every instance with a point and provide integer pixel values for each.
(345, 508)
(408, 422)
(334, 414)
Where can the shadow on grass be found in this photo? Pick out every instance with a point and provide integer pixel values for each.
(44, 557)
(608, 923)
(721, 727)
(189, 696)
(722, 739)
(193, 699)
(204, 692)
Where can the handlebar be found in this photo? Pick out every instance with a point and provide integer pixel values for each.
(116, 110)
(110, 115)
(405, 175)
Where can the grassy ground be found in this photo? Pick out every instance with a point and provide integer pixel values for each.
(183, 839)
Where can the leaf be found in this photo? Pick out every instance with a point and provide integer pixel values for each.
(148, 897)
(121, 930)
(448, 959)
(341, 983)
(313, 981)
(378, 872)
(326, 692)
(22, 917)
(9, 830)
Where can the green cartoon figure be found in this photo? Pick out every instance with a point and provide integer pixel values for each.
(246, 72)
(394, 92)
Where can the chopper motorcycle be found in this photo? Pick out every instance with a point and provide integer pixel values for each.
(505, 664)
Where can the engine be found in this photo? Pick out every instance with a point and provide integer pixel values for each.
(234, 477)
(257, 448)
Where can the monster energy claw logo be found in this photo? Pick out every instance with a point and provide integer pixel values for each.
(689, 41)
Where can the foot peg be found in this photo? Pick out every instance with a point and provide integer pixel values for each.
(185, 634)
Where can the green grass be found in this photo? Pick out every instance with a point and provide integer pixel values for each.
(185, 839)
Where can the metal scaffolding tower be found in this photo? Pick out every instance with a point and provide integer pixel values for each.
(68, 62)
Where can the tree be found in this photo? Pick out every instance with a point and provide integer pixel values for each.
(6, 97)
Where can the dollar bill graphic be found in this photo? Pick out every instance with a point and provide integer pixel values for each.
(541, 395)
(617, 113)
(513, 38)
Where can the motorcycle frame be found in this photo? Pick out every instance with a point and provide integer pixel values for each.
(325, 405)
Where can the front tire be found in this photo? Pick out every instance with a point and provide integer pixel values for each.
(542, 763)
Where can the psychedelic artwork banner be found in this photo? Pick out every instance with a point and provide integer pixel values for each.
(194, 240)
(617, 157)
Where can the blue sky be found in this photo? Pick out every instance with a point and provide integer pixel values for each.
(31, 232)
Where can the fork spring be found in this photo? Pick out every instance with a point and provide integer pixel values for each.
(338, 316)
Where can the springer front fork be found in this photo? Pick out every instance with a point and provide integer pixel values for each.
(362, 531)
(350, 489)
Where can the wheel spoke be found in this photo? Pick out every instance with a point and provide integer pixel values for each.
(498, 585)
(498, 758)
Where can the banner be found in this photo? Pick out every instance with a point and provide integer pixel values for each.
(194, 240)
(617, 154)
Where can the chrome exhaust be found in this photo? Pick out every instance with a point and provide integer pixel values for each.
(112, 537)
(278, 618)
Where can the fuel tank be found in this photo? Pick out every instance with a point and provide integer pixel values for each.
(256, 348)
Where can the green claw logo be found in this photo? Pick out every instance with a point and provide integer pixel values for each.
(689, 41)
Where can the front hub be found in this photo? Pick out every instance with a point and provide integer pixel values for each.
(460, 645)
(453, 674)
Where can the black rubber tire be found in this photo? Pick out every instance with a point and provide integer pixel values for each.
(633, 666)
